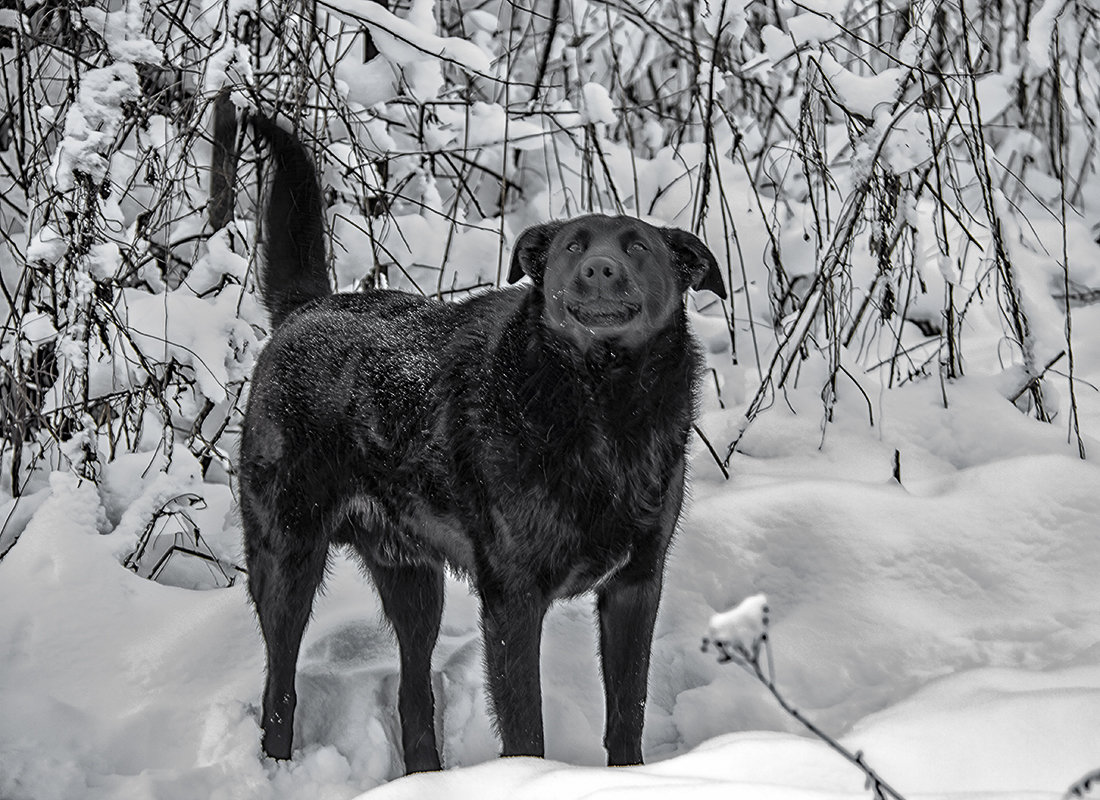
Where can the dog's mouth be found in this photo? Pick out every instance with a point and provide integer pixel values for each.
(603, 313)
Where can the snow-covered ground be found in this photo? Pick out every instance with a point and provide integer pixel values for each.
(948, 627)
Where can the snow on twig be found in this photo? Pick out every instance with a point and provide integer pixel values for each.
(740, 635)
(1083, 786)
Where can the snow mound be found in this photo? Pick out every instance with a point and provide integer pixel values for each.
(950, 620)
(960, 737)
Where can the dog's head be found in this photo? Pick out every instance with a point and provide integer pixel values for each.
(612, 278)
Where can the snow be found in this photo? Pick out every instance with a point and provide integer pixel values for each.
(407, 41)
(484, 124)
(653, 134)
(224, 56)
(811, 28)
(1041, 32)
(94, 120)
(92, 123)
(481, 20)
(206, 336)
(1034, 728)
(924, 751)
(12, 19)
(948, 626)
(994, 93)
(950, 620)
(596, 105)
(826, 8)
(47, 246)
(219, 262)
(36, 328)
(122, 30)
(411, 51)
(724, 17)
(860, 94)
(431, 256)
(739, 631)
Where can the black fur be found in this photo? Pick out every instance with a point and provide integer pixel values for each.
(532, 438)
(294, 244)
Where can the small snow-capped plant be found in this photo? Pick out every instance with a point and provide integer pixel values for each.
(740, 635)
(168, 533)
(1084, 786)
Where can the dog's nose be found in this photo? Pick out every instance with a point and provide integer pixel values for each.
(599, 272)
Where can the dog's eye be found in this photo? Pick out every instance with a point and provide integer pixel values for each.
(637, 247)
(573, 247)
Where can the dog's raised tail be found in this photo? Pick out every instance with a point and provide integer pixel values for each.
(294, 270)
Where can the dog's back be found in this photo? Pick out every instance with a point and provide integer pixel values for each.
(341, 391)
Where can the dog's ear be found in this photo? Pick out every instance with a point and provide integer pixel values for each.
(530, 251)
(694, 261)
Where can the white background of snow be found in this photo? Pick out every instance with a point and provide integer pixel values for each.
(953, 622)
(596, 105)
(217, 346)
(860, 94)
(408, 44)
(950, 627)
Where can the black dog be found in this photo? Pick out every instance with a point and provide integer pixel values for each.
(532, 438)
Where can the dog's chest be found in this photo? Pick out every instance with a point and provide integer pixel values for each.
(576, 532)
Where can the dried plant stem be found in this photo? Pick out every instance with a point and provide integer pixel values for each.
(800, 329)
(1082, 786)
(751, 658)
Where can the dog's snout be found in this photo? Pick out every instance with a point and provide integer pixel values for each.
(599, 272)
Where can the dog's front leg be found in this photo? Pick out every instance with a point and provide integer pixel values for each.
(627, 607)
(512, 629)
(627, 611)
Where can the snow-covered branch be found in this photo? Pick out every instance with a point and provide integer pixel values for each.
(740, 635)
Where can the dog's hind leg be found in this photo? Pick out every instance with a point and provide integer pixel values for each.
(283, 580)
(412, 598)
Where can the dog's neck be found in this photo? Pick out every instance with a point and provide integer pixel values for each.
(605, 360)
(617, 373)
